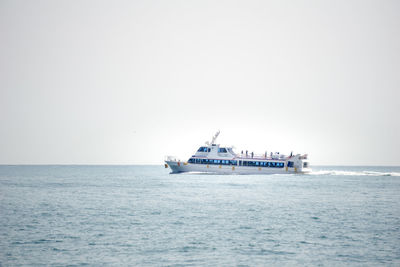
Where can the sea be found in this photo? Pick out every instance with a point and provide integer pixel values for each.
(144, 216)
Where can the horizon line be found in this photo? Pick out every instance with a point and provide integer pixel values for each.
(161, 164)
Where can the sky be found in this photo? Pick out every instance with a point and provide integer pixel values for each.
(129, 82)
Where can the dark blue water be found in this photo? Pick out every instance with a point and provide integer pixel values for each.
(142, 215)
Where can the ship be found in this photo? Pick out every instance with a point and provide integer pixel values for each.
(213, 158)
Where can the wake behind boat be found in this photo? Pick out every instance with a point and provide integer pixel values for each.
(212, 158)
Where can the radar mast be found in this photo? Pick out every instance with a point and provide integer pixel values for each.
(214, 138)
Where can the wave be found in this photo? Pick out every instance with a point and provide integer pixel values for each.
(354, 173)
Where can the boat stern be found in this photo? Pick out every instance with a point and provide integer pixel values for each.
(299, 164)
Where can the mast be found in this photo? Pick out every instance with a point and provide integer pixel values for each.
(214, 138)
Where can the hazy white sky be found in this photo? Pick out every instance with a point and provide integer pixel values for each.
(127, 82)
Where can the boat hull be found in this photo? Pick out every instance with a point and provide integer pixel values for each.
(181, 167)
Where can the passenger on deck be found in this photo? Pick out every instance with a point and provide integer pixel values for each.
(252, 154)
(246, 153)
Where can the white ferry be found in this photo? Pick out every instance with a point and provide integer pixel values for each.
(212, 158)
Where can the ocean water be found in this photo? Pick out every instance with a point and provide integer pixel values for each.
(144, 216)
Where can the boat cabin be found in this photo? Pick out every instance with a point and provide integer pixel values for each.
(215, 151)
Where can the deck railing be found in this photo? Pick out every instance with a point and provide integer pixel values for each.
(171, 158)
(261, 156)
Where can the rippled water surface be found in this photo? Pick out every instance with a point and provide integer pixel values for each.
(142, 215)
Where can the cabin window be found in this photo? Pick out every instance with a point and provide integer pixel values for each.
(290, 164)
(222, 150)
(305, 165)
